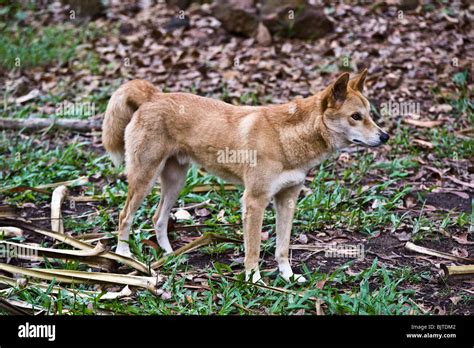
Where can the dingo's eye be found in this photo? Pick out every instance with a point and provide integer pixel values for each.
(356, 116)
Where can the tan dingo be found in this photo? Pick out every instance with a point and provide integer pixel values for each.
(268, 149)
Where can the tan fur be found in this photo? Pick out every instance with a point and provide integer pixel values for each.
(123, 103)
(168, 131)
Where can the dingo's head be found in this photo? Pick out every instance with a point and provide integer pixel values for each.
(347, 113)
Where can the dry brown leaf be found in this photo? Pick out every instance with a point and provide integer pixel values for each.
(112, 295)
(182, 215)
(462, 238)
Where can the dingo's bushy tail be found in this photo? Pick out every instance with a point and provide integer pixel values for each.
(123, 103)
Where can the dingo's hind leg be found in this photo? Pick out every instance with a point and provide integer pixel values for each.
(172, 180)
(143, 165)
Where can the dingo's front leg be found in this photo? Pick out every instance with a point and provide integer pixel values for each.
(285, 202)
(253, 209)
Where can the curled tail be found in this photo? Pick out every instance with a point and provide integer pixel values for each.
(123, 103)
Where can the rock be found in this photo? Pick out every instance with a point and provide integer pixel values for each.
(408, 5)
(263, 37)
(176, 22)
(311, 23)
(181, 4)
(394, 79)
(303, 238)
(126, 28)
(295, 18)
(289, 18)
(236, 16)
(85, 9)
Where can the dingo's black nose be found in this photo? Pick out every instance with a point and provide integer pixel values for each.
(384, 137)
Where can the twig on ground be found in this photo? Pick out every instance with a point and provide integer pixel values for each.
(12, 309)
(79, 245)
(42, 188)
(34, 124)
(78, 277)
(440, 254)
(466, 271)
(59, 194)
(205, 239)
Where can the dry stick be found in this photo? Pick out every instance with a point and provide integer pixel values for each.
(273, 288)
(205, 239)
(90, 256)
(98, 198)
(319, 307)
(79, 245)
(207, 188)
(82, 180)
(73, 277)
(465, 131)
(49, 252)
(33, 309)
(8, 307)
(195, 189)
(45, 286)
(460, 182)
(8, 211)
(69, 216)
(93, 236)
(247, 310)
(424, 311)
(41, 123)
(466, 271)
(450, 177)
(59, 194)
(41, 188)
(193, 206)
(440, 254)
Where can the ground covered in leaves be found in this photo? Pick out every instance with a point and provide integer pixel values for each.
(418, 188)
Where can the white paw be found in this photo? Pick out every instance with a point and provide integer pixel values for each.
(162, 239)
(166, 246)
(294, 277)
(123, 249)
(299, 278)
(254, 277)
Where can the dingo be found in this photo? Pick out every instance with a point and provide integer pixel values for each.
(160, 134)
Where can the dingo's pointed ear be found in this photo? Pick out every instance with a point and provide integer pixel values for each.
(357, 83)
(337, 91)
